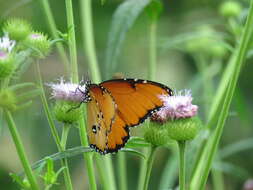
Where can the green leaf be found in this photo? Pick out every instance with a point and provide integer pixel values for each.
(137, 142)
(60, 155)
(123, 19)
(232, 169)
(137, 153)
(21, 85)
(237, 147)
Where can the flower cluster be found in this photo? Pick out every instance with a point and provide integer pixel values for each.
(175, 107)
(6, 45)
(176, 119)
(67, 91)
(68, 98)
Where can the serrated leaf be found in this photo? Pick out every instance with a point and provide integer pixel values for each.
(123, 19)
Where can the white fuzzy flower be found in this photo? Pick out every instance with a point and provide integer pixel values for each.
(6, 44)
(176, 107)
(68, 91)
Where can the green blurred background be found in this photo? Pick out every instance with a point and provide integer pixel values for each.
(176, 68)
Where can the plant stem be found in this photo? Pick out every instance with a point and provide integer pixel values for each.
(89, 44)
(87, 31)
(122, 172)
(148, 167)
(47, 110)
(67, 178)
(72, 40)
(53, 30)
(181, 146)
(152, 51)
(240, 56)
(53, 128)
(87, 156)
(65, 132)
(20, 150)
(74, 74)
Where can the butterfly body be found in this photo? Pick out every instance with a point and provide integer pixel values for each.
(115, 105)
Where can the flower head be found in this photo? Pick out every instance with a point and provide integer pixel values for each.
(40, 43)
(6, 44)
(68, 91)
(176, 107)
(17, 28)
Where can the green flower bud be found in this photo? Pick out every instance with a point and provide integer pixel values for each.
(66, 112)
(183, 129)
(39, 43)
(156, 134)
(26, 183)
(6, 64)
(17, 29)
(8, 100)
(203, 42)
(230, 9)
(218, 50)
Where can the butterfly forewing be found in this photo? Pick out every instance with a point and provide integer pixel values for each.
(136, 99)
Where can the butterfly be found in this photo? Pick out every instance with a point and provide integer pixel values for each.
(114, 106)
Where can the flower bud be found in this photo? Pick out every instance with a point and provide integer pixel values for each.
(183, 129)
(156, 134)
(39, 43)
(17, 29)
(8, 100)
(66, 112)
(230, 9)
(6, 64)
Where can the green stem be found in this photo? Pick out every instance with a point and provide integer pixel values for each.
(21, 151)
(53, 128)
(64, 136)
(87, 31)
(67, 178)
(181, 146)
(47, 110)
(148, 167)
(74, 74)
(89, 44)
(122, 171)
(53, 30)
(218, 181)
(87, 156)
(152, 51)
(72, 40)
(240, 56)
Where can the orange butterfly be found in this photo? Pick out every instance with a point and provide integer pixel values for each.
(115, 105)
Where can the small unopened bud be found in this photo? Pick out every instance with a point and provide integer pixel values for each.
(17, 29)
(6, 64)
(8, 100)
(230, 9)
(67, 112)
(39, 43)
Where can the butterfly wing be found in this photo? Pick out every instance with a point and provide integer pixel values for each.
(101, 114)
(117, 105)
(136, 99)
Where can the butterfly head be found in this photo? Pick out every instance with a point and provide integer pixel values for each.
(84, 88)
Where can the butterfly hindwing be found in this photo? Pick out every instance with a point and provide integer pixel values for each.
(101, 113)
